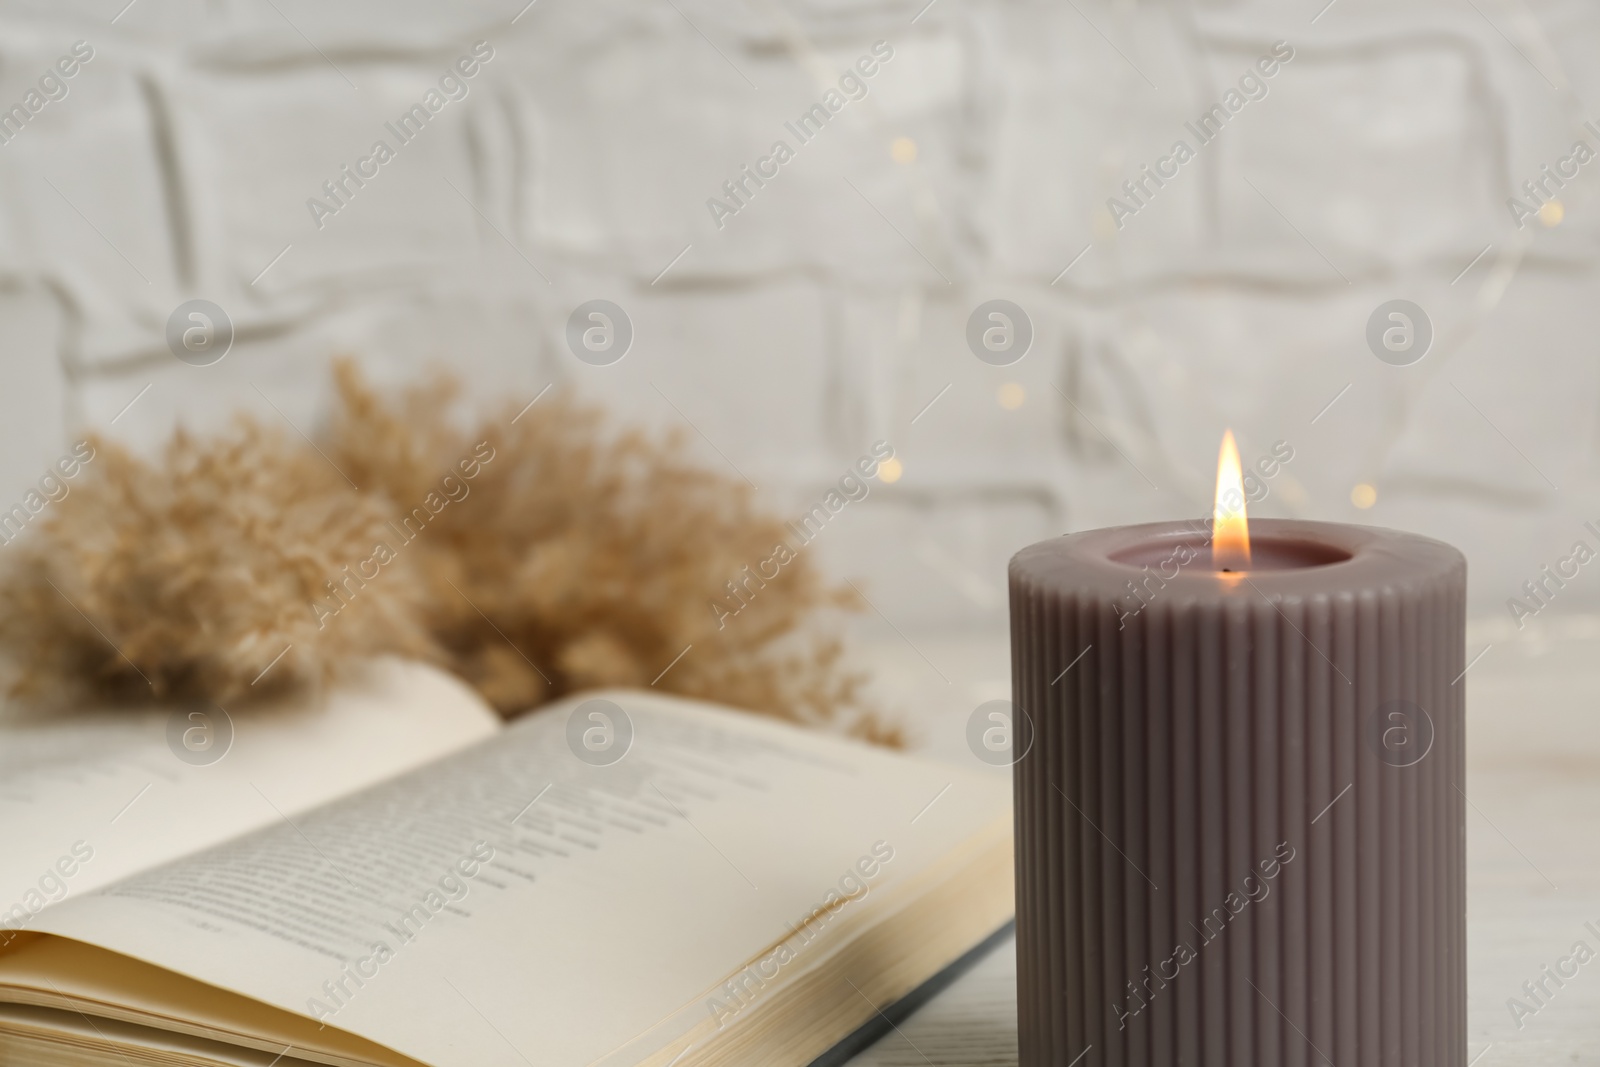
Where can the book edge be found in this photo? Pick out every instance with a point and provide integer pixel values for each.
(892, 1015)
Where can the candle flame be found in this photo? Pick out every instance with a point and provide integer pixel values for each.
(1230, 529)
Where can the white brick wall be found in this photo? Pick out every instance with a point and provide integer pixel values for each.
(831, 310)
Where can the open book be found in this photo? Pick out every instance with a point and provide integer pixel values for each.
(391, 878)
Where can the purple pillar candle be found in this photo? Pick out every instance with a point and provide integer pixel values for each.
(1239, 821)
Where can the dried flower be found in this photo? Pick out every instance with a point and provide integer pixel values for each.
(184, 579)
(583, 558)
(535, 555)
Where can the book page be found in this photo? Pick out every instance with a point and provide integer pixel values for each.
(517, 903)
(87, 798)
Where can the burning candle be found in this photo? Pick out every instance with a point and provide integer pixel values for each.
(1240, 837)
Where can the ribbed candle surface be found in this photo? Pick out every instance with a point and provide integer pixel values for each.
(1239, 817)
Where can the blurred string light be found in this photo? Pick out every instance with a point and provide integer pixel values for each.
(1503, 266)
(933, 225)
(1141, 439)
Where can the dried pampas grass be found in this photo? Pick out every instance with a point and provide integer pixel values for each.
(533, 554)
(183, 579)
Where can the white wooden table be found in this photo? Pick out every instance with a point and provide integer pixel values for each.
(1533, 846)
